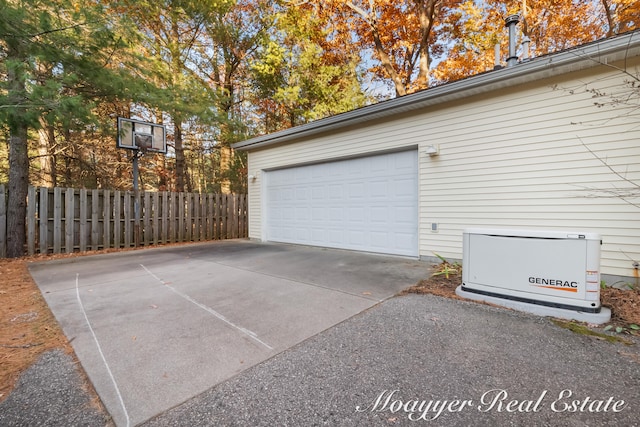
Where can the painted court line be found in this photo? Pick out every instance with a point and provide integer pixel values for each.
(104, 360)
(245, 331)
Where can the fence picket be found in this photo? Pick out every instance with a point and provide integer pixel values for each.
(147, 214)
(196, 217)
(68, 220)
(83, 235)
(95, 222)
(57, 220)
(106, 219)
(156, 218)
(43, 216)
(172, 217)
(116, 219)
(3, 223)
(31, 220)
(164, 236)
(126, 204)
(228, 219)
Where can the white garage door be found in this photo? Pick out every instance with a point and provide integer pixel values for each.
(368, 204)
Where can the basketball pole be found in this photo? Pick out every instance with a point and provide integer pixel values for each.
(136, 200)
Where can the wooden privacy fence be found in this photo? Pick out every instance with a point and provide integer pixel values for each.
(65, 220)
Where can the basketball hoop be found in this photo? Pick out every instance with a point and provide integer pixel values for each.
(143, 142)
(141, 136)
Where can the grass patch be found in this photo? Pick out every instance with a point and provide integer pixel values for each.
(583, 330)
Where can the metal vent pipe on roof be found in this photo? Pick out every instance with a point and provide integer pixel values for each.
(511, 22)
(496, 54)
(526, 42)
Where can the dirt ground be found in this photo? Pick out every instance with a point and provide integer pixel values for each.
(27, 327)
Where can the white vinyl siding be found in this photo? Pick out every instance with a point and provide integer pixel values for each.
(517, 159)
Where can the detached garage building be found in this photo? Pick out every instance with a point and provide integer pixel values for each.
(551, 143)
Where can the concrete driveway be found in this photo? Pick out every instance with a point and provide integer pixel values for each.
(153, 328)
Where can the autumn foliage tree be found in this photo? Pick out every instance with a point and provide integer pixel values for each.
(219, 71)
(402, 37)
(551, 25)
(299, 75)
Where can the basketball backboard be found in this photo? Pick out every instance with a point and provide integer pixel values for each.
(139, 135)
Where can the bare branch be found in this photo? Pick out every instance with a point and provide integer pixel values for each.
(624, 178)
(608, 194)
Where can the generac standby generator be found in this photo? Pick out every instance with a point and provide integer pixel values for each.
(545, 272)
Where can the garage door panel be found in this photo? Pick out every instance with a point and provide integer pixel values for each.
(357, 238)
(403, 188)
(404, 215)
(404, 164)
(367, 204)
(302, 215)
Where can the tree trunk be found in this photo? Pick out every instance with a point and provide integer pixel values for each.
(46, 135)
(18, 155)
(608, 14)
(401, 90)
(180, 163)
(70, 154)
(47, 160)
(370, 18)
(426, 13)
(225, 164)
(18, 188)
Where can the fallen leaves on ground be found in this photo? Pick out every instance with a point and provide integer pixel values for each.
(27, 327)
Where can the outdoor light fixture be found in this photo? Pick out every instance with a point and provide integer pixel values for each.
(432, 150)
(252, 178)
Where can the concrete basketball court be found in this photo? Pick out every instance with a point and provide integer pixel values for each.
(156, 327)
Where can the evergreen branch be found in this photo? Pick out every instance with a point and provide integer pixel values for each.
(54, 30)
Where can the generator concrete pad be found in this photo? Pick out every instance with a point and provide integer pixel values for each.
(153, 328)
(593, 318)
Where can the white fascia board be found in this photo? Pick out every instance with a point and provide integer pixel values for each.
(591, 55)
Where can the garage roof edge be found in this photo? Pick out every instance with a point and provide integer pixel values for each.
(581, 57)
